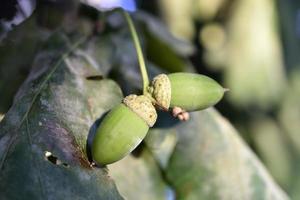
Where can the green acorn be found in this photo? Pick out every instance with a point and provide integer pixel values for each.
(122, 129)
(188, 91)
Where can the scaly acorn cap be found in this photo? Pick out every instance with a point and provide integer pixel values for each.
(162, 90)
(143, 107)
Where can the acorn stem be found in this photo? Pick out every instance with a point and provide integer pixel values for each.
(138, 51)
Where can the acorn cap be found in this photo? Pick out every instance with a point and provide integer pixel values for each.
(143, 107)
(162, 90)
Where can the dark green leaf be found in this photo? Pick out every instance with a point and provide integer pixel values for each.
(162, 48)
(17, 52)
(158, 29)
(43, 136)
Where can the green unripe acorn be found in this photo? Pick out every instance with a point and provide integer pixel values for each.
(188, 91)
(122, 129)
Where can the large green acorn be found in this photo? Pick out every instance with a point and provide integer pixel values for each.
(188, 91)
(122, 129)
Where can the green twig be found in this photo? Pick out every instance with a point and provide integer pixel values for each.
(138, 51)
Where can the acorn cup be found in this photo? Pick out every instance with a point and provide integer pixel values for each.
(122, 129)
(188, 91)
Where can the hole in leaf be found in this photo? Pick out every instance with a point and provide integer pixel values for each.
(54, 160)
(65, 165)
(95, 78)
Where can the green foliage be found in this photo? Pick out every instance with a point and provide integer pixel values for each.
(53, 112)
(17, 52)
(74, 79)
(139, 177)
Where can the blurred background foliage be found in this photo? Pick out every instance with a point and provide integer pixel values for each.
(252, 47)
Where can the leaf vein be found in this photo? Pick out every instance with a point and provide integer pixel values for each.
(47, 78)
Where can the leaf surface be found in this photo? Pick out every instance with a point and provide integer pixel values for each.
(43, 136)
(210, 161)
(139, 177)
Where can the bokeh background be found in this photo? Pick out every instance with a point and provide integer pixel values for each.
(251, 47)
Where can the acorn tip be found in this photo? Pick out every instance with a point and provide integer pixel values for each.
(226, 89)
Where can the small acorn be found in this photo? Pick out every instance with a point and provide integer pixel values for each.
(122, 129)
(188, 91)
